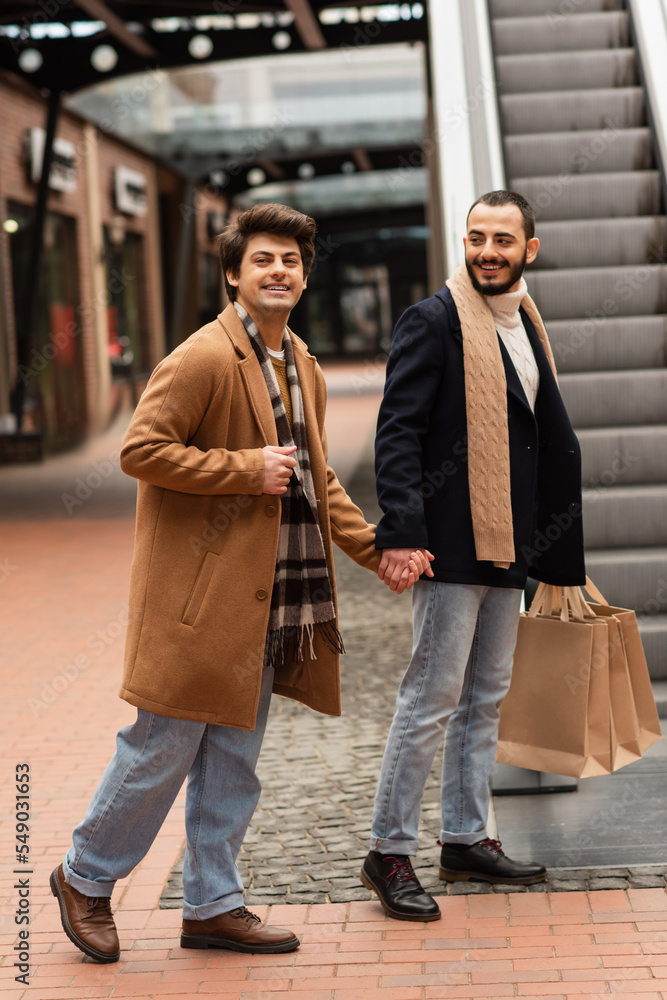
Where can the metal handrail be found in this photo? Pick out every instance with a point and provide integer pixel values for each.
(649, 20)
(466, 122)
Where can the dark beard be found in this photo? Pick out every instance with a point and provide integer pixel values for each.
(515, 274)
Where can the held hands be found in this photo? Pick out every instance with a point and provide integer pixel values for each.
(278, 466)
(400, 568)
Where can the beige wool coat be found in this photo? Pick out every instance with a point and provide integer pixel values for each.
(206, 536)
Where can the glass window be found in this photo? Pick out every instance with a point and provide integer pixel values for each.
(357, 292)
(55, 398)
(126, 302)
(366, 309)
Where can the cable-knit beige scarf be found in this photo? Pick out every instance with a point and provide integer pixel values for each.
(486, 415)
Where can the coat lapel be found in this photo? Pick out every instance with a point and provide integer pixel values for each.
(258, 397)
(514, 386)
(251, 373)
(547, 379)
(546, 375)
(305, 369)
(550, 410)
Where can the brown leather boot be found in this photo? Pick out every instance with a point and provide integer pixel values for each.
(87, 920)
(238, 930)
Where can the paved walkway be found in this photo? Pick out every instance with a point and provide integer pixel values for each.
(64, 570)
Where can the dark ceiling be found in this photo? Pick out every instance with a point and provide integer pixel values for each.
(66, 62)
(64, 65)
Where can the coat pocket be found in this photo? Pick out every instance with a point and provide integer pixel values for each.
(199, 589)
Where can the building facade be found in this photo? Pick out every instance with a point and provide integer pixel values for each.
(117, 230)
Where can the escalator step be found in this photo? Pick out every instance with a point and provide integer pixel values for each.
(601, 242)
(610, 149)
(551, 9)
(592, 196)
(625, 516)
(627, 578)
(610, 344)
(608, 399)
(600, 292)
(561, 111)
(598, 68)
(637, 454)
(514, 35)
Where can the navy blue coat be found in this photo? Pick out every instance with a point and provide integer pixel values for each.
(421, 459)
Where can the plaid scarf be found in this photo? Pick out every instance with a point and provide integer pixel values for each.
(301, 600)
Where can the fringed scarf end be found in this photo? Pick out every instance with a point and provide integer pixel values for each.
(287, 642)
(331, 637)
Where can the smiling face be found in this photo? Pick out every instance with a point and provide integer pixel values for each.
(496, 248)
(270, 279)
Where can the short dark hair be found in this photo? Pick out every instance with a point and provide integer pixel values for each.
(496, 198)
(279, 220)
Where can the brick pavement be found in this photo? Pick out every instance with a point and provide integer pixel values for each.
(64, 578)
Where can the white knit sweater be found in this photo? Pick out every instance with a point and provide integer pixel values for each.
(505, 309)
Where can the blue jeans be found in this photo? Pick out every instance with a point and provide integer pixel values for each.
(153, 757)
(460, 670)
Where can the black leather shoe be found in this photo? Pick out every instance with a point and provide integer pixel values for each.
(486, 861)
(392, 878)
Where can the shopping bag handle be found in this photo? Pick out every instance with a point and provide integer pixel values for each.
(571, 605)
(594, 592)
(581, 610)
(542, 599)
(565, 602)
(554, 605)
(549, 601)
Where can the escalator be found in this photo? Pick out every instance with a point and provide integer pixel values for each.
(579, 145)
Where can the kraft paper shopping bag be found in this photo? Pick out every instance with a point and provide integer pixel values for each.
(556, 716)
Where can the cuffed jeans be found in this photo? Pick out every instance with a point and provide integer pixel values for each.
(153, 757)
(460, 670)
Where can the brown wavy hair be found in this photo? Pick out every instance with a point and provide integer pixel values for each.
(279, 220)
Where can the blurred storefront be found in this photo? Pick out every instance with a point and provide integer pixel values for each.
(147, 171)
(375, 270)
(337, 134)
(106, 271)
(55, 398)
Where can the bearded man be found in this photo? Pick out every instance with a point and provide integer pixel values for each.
(475, 455)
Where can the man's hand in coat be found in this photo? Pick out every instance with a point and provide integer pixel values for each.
(401, 568)
(278, 466)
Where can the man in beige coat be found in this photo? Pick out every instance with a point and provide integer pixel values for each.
(232, 593)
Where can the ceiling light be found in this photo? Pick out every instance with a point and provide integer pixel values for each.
(104, 58)
(200, 46)
(282, 40)
(30, 60)
(219, 178)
